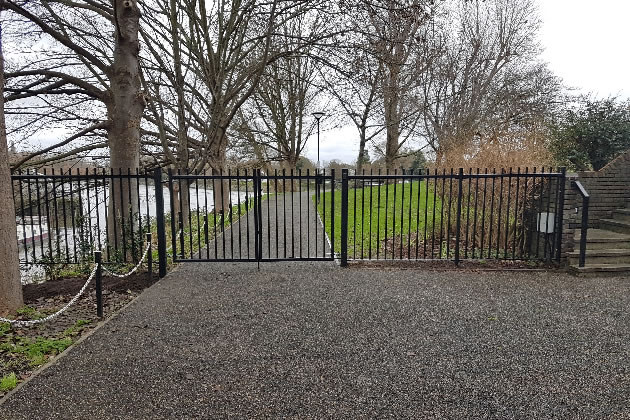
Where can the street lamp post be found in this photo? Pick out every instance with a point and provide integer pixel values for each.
(318, 115)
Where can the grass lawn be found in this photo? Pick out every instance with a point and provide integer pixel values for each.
(376, 213)
(196, 229)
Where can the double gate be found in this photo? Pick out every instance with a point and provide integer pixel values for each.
(252, 216)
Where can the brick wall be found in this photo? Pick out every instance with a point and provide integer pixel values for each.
(609, 189)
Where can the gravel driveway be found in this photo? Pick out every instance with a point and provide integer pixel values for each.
(311, 340)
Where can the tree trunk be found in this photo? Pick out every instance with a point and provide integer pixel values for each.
(220, 189)
(125, 106)
(288, 166)
(10, 284)
(181, 202)
(391, 99)
(361, 157)
(183, 155)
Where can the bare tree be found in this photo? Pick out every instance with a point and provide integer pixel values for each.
(286, 95)
(355, 84)
(395, 33)
(111, 66)
(225, 49)
(10, 285)
(485, 78)
(376, 71)
(104, 68)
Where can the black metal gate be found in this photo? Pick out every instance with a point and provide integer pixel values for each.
(251, 216)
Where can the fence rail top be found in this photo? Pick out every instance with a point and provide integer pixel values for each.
(457, 175)
(250, 177)
(82, 176)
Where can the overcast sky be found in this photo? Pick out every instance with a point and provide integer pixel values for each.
(586, 44)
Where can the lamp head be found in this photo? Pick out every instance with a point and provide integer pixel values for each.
(318, 115)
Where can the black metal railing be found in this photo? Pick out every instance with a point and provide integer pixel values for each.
(62, 218)
(584, 226)
(290, 215)
(251, 216)
(454, 215)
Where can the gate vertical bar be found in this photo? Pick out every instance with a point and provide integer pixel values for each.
(458, 223)
(344, 217)
(260, 221)
(159, 214)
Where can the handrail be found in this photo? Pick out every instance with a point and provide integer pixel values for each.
(585, 202)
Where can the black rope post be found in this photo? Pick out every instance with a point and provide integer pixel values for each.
(99, 284)
(149, 257)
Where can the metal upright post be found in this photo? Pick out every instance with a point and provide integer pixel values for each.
(256, 227)
(344, 217)
(560, 216)
(258, 215)
(332, 213)
(159, 214)
(460, 179)
(171, 192)
(99, 285)
(584, 230)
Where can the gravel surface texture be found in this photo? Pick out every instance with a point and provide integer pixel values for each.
(311, 340)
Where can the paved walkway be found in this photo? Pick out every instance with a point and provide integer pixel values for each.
(291, 228)
(312, 340)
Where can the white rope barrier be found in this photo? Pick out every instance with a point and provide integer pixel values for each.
(133, 270)
(24, 323)
(21, 323)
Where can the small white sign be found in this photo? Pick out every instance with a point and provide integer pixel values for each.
(546, 222)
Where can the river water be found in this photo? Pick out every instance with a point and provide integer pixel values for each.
(200, 199)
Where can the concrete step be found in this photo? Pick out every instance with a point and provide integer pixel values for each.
(622, 215)
(602, 256)
(615, 225)
(603, 239)
(603, 269)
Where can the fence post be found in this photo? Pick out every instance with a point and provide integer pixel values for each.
(460, 180)
(317, 186)
(159, 214)
(260, 220)
(344, 217)
(149, 257)
(171, 193)
(256, 179)
(560, 218)
(99, 284)
(332, 214)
